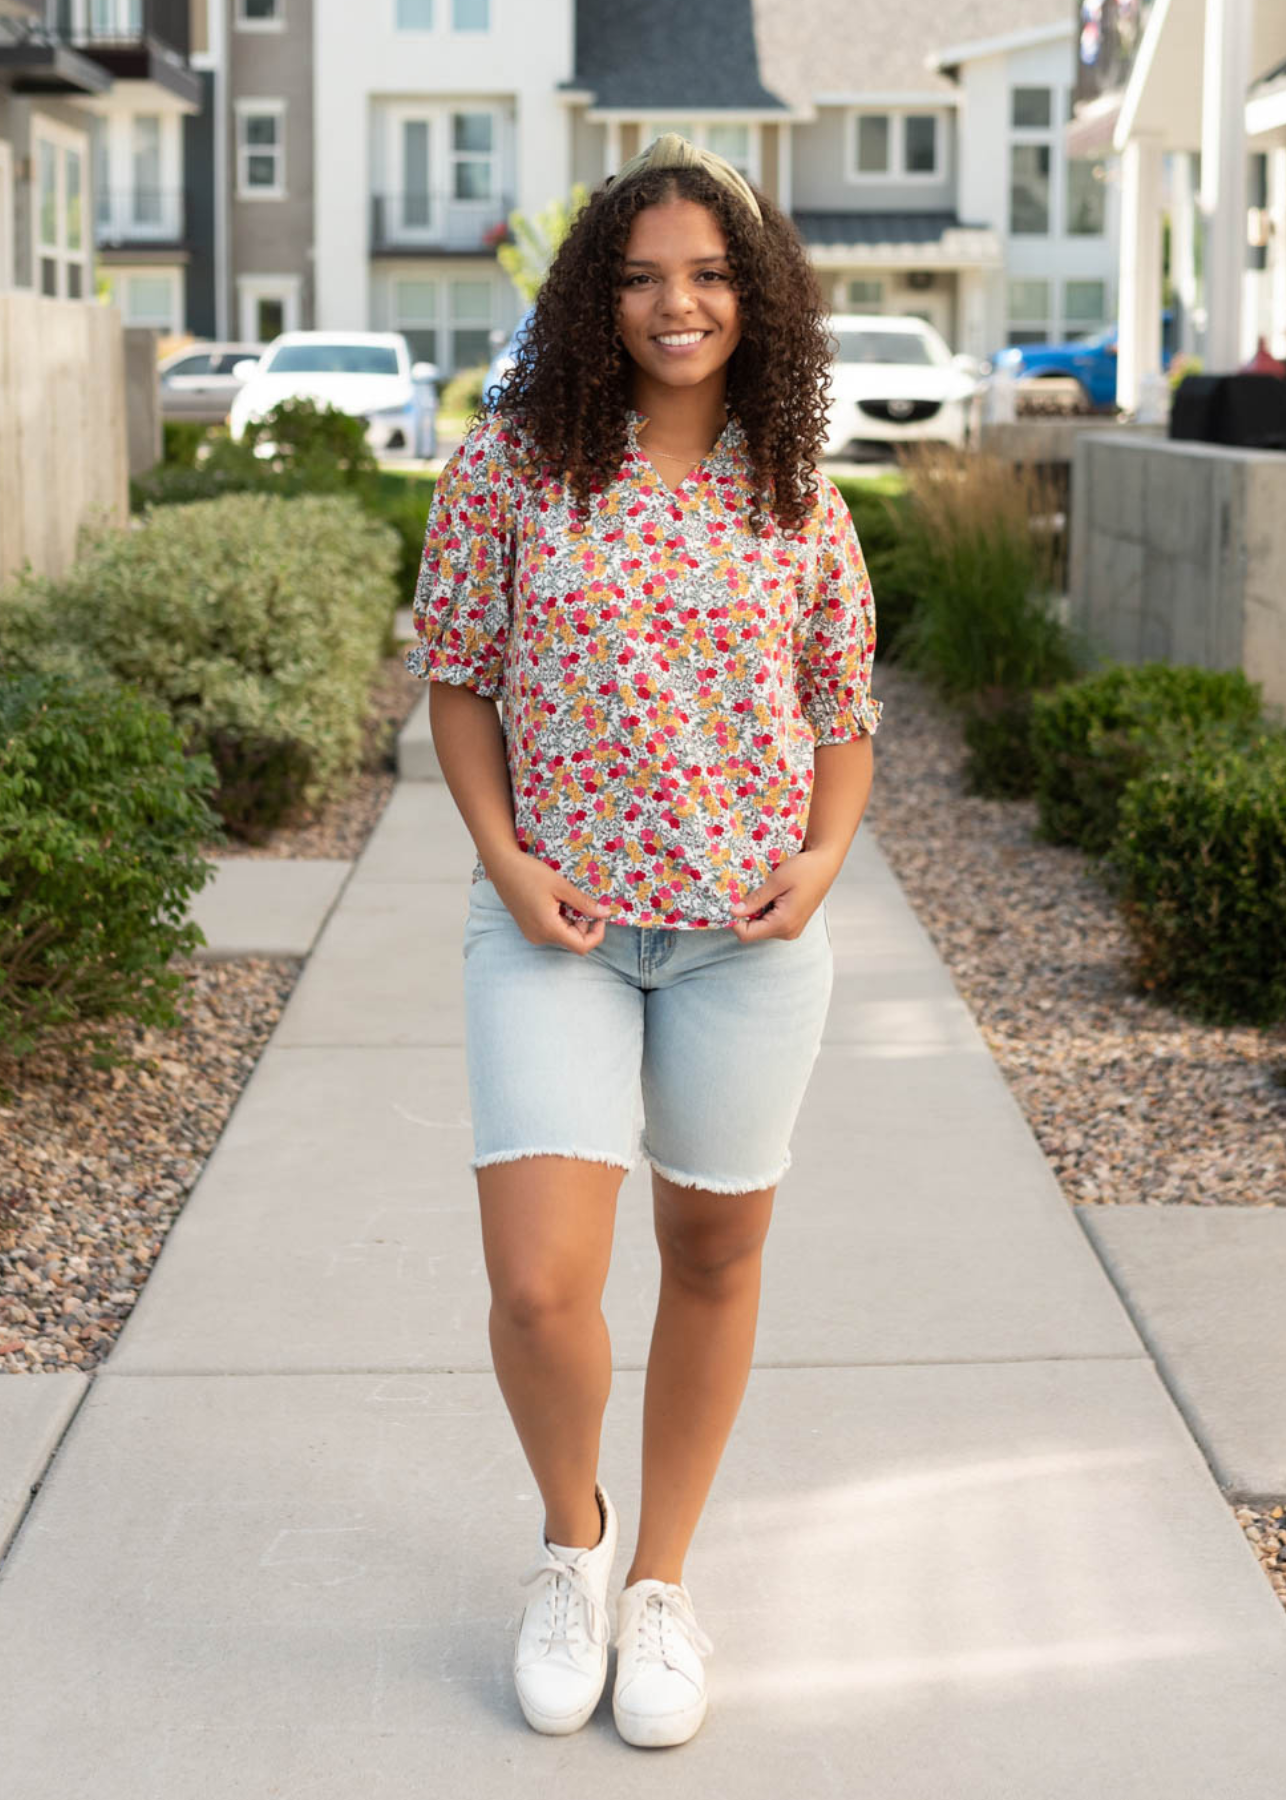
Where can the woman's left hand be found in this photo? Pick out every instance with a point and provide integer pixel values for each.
(792, 894)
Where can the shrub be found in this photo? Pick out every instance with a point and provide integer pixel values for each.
(462, 395)
(1199, 859)
(879, 520)
(979, 551)
(257, 621)
(101, 819)
(997, 733)
(404, 504)
(315, 450)
(1091, 738)
(182, 439)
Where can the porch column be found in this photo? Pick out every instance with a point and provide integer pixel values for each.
(1277, 249)
(1225, 79)
(1183, 248)
(1139, 335)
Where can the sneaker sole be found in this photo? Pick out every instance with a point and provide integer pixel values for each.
(652, 1733)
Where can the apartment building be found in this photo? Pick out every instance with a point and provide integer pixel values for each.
(46, 237)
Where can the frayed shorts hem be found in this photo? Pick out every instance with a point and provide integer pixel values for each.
(600, 1156)
(715, 1184)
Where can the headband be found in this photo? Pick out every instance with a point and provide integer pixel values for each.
(671, 151)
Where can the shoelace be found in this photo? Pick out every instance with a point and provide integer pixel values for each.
(560, 1621)
(653, 1614)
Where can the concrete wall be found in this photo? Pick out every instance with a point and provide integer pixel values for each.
(144, 436)
(1177, 555)
(62, 427)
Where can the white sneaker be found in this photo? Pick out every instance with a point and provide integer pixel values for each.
(659, 1695)
(560, 1659)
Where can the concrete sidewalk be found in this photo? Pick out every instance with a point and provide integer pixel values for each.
(961, 1546)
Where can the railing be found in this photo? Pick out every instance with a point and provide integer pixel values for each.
(438, 221)
(139, 216)
(105, 24)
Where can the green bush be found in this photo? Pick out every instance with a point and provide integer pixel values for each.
(257, 621)
(403, 503)
(101, 819)
(879, 520)
(313, 450)
(462, 395)
(997, 731)
(1199, 860)
(978, 554)
(182, 439)
(1091, 738)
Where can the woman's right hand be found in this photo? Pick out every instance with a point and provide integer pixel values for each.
(535, 895)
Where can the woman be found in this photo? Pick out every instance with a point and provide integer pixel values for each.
(635, 552)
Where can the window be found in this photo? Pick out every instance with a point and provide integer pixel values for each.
(866, 295)
(472, 156)
(115, 18)
(1029, 189)
(1084, 307)
(415, 15)
(261, 149)
(332, 358)
(873, 144)
(1086, 196)
(1031, 108)
(146, 187)
(61, 247)
(149, 300)
(1028, 311)
(470, 323)
(189, 366)
(267, 305)
(470, 15)
(732, 142)
(261, 15)
(415, 313)
(921, 144)
(416, 194)
(738, 143)
(901, 146)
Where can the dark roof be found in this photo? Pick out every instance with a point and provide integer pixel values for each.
(670, 53)
(823, 228)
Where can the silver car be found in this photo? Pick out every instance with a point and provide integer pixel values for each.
(198, 384)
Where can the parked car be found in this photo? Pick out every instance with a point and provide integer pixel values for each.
(504, 360)
(198, 383)
(1089, 361)
(895, 381)
(368, 374)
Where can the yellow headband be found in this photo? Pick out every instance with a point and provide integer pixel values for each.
(671, 151)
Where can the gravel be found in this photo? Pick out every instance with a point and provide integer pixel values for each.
(1131, 1102)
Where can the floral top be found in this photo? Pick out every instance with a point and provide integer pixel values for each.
(664, 673)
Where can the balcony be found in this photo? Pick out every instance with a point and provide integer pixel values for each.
(139, 219)
(135, 40)
(433, 223)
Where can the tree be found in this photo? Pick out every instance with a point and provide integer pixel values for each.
(526, 261)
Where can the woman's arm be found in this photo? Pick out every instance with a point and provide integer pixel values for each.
(842, 776)
(470, 745)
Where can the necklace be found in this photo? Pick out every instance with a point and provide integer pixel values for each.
(669, 456)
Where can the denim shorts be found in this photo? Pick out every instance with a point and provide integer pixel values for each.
(689, 1048)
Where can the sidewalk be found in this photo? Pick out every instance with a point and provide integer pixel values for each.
(961, 1546)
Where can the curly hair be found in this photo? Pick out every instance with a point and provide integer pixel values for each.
(570, 389)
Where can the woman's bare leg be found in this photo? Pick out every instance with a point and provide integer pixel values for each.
(702, 1344)
(547, 1225)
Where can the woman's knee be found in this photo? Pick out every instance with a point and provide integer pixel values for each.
(544, 1300)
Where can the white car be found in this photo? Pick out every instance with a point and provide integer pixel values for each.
(368, 374)
(895, 381)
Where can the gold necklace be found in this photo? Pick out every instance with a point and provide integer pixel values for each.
(668, 456)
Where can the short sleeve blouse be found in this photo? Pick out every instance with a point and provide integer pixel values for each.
(665, 674)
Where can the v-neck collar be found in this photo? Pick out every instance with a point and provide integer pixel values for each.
(719, 460)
